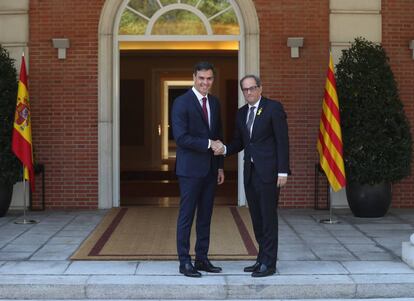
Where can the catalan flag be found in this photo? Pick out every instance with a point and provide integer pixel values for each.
(22, 131)
(330, 136)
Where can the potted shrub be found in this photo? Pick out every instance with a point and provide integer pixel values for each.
(376, 134)
(10, 167)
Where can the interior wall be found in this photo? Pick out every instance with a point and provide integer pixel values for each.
(146, 69)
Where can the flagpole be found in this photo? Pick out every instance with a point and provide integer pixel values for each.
(24, 221)
(330, 220)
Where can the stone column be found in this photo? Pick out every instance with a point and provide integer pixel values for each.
(14, 29)
(408, 251)
(348, 20)
(14, 37)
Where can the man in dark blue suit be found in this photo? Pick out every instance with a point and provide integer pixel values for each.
(196, 124)
(262, 132)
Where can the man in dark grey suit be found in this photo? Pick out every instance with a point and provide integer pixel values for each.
(262, 132)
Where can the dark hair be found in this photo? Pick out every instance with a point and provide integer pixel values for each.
(256, 78)
(204, 66)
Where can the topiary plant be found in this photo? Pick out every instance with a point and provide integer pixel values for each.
(10, 166)
(377, 142)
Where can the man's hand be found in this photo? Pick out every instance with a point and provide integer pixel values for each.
(281, 181)
(220, 176)
(217, 147)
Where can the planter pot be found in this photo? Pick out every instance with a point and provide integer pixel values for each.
(369, 200)
(6, 192)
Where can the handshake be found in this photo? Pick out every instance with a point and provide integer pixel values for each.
(218, 147)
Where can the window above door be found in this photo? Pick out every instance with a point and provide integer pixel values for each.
(179, 17)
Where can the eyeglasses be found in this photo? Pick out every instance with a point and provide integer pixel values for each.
(250, 89)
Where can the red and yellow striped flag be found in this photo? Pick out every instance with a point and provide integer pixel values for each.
(330, 136)
(22, 131)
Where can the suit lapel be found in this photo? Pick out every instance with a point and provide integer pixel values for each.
(243, 113)
(213, 114)
(258, 118)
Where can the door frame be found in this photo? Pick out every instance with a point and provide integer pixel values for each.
(108, 90)
(166, 85)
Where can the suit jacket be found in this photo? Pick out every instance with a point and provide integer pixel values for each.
(192, 132)
(268, 145)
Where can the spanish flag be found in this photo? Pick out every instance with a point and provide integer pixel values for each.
(22, 131)
(330, 136)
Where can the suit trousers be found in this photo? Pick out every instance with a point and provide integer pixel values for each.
(262, 199)
(197, 194)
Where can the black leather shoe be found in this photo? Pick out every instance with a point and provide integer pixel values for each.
(207, 266)
(264, 271)
(252, 268)
(189, 270)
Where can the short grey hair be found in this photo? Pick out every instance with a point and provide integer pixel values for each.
(255, 77)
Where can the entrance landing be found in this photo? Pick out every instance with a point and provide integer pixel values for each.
(358, 258)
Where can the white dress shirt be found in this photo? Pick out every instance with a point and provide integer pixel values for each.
(200, 100)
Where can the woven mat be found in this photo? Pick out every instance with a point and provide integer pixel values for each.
(149, 233)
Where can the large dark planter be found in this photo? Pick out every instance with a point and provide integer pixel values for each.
(369, 200)
(6, 192)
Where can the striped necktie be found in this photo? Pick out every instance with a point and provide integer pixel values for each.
(250, 120)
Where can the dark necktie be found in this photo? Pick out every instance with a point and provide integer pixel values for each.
(205, 112)
(250, 120)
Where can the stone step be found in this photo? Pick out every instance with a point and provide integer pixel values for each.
(359, 299)
(226, 287)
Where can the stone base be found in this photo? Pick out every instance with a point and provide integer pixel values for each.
(408, 253)
(217, 287)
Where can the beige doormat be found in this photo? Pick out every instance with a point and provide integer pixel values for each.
(149, 233)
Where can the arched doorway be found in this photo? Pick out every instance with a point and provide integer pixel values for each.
(109, 77)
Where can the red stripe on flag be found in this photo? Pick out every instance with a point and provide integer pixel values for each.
(331, 77)
(331, 162)
(331, 105)
(20, 147)
(23, 73)
(334, 138)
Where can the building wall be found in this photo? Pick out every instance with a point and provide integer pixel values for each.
(65, 99)
(397, 31)
(298, 83)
